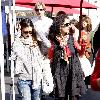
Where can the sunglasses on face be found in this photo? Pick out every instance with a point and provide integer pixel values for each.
(26, 32)
(66, 25)
(39, 9)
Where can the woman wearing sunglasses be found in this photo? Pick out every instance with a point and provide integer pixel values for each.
(42, 23)
(65, 65)
(29, 62)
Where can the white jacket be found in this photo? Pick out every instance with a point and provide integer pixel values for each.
(30, 63)
(42, 26)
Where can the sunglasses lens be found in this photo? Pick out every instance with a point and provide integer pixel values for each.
(39, 9)
(67, 24)
(26, 32)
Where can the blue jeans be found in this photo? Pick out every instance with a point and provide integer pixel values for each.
(26, 91)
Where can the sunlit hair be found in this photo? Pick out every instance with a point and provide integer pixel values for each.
(38, 4)
(88, 28)
(26, 23)
(55, 27)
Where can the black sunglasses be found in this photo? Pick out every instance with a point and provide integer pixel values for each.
(26, 32)
(66, 25)
(39, 9)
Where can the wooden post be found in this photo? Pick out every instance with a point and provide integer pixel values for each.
(80, 19)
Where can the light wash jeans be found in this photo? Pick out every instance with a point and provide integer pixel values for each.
(26, 91)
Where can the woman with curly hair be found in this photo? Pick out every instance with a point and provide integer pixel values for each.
(86, 58)
(65, 65)
(86, 29)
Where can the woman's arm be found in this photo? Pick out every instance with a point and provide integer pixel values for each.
(80, 47)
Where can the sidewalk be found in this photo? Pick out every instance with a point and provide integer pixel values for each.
(90, 95)
(8, 87)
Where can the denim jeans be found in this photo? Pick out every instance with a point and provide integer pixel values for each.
(26, 91)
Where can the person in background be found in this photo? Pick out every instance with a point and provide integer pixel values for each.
(60, 13)
(87, 28)
(42, 23)
(65, 65)
(84, 57)
(29, 63)
(95, 76)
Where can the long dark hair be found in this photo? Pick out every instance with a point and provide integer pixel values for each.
(55, 27)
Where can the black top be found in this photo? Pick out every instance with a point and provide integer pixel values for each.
(68, 78)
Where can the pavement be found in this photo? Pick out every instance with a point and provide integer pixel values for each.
(90, 94)
(9, 89)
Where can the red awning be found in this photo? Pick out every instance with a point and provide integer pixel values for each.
(55, 9)
(23, 1)
(66, 10)
(56, 3)
(27, 6)
(76, 4)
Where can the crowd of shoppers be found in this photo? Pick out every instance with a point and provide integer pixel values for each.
(50, 58)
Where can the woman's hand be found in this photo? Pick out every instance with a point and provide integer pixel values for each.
(62, 41)
(72, 29)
